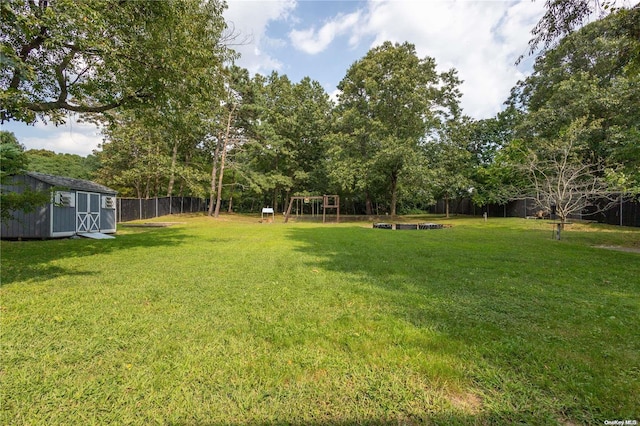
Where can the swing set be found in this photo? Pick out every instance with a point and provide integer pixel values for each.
(328, 202)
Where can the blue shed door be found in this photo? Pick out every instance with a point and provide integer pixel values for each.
(87, 212)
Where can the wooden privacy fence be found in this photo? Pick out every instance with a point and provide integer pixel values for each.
(623, 213)
(141, 208)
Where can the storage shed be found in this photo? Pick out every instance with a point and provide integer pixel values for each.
(77, 207)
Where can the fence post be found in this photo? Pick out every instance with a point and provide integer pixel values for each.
(156, 206)
(140, 202)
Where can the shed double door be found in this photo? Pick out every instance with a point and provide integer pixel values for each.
(87, 212)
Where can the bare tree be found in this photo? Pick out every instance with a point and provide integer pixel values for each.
(563, 181)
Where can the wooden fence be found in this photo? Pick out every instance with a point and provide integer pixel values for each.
(625, 213)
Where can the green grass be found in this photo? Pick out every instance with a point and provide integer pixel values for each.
(215, 322)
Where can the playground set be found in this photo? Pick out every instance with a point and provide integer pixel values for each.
(315, 204)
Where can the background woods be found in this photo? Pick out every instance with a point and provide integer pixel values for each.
(180, 119)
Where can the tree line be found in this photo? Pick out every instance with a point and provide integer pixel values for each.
(179, 118)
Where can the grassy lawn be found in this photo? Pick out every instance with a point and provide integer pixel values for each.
(229, 321)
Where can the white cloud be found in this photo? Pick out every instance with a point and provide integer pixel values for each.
(249, 20)
(71, 138)
(480, 39)
(312, 41)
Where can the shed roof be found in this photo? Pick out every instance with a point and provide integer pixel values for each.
(71, 183)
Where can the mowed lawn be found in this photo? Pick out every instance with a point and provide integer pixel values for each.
(229, 321)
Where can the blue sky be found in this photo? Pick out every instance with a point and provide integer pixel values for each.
(321, 39)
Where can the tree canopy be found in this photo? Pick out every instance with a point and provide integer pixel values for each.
(589, 78)
(390, 102)
(179, 120)
(96, 55)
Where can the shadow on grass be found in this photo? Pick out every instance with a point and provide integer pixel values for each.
(431, 420)
(35, 260)
(532, 319)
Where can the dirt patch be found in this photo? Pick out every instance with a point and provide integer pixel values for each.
(620, 248)
(467, 402)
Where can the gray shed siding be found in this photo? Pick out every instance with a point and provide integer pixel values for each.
(55, 220)
(108, 219)
(64, 219)
(28, 225)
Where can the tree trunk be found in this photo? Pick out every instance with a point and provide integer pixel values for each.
(220, 177)
(559, 228)
(446, 206)
(233, 185)
(156, 187)
(187, 161)
(367, 204)
(147, 187)
(224, 155)
(394, 193)
(275, 199)
(172, 176)
(214, 173)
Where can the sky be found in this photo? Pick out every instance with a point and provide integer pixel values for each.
(320, 39)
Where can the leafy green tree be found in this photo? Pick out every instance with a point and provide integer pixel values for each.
(13, 161)
(490, 141)
(563, 17)
(166, 142)
(451, 162)
(285, 123)
(96, 55)
(390, 102)
(589, 77)
(135, 156)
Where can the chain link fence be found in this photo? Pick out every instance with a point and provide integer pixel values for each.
(139, 208)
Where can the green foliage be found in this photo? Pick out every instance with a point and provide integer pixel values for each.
(451, 161)
(97, 55)
(285, 150)
(481, 323)
(14, 161)
(13, 157)
(589, 76)
(69, 165)
(390, 101)
(492, 145)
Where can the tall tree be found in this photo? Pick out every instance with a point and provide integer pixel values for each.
(227, 143)
(285, 123)
(494, 181)
(390, 101)
(135, 157)
(451, 162)
(589, 77)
